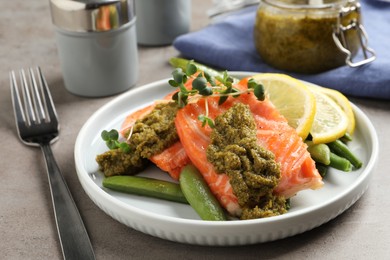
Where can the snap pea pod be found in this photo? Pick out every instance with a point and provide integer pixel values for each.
(323, 157)
(319, 152)
(341, 149)
(146, 187)
(340, 163)
(182, 63)
(198, 194)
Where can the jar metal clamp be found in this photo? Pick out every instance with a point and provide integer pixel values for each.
(340, 30)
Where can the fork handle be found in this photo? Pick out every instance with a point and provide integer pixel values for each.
(74, 240)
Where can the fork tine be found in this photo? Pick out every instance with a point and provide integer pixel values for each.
(51, 111)
(36, 97)
(16, 101)
(28, 105)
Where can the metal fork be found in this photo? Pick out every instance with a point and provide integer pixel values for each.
(37, 125)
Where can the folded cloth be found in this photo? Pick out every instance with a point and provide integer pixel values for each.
(228, 44)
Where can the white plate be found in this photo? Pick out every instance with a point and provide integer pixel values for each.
(179, 222)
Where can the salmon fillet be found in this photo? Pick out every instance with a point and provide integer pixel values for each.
(298, 170)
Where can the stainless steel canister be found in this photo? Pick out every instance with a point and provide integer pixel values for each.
(97, 45)
(159, 22)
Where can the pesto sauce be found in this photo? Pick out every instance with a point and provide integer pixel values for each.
(252, 170)
(150, 135)
(116, 162)
(156, 131)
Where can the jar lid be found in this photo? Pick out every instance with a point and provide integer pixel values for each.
(91, 15)
(303, 5)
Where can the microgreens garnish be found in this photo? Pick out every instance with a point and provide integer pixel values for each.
(204, 85)
(111, 138)
(206, 121)
(258, 89)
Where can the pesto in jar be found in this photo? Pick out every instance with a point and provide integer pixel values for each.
(252, 170)
(296, 37)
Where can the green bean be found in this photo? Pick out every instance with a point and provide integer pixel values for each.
(340, 163)
(319, 152)
(346, 138)
(146, 187)
(198, 194)
(342, 150)
(322, 169)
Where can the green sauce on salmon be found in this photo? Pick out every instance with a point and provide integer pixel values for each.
(252, 170)
(149, 136)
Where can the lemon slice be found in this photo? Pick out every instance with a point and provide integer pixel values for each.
(292, 98)
(342, 101)
(330, 121)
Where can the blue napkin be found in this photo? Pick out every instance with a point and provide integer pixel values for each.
(228, 44)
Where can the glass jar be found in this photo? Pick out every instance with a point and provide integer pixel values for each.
(310, 37)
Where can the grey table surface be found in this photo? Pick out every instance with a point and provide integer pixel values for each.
(27, 225)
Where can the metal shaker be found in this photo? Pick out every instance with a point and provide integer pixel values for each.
(97, 45)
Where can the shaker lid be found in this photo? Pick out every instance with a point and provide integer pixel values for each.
(91, 15)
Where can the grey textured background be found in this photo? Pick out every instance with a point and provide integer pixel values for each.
(27, 228)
